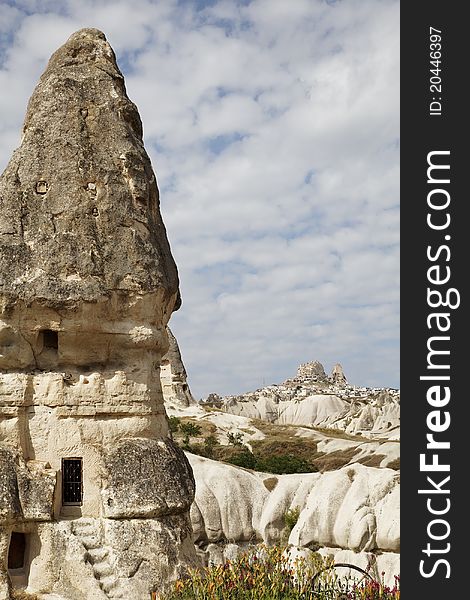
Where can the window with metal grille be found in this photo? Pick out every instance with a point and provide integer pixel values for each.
(72, 481)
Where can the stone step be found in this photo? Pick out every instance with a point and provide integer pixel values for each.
(89, 533)
(107, 583)
(84, 529)
(102, 569)
(84, 522)
(91, 542)
(95, 555)
(117, 593)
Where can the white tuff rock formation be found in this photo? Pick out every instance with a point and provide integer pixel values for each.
(314, 400)
(175, 387)
(312, 371)
(94, 495)
(337, 375)
(353, 511)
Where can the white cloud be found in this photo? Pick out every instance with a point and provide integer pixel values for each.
(273, 128)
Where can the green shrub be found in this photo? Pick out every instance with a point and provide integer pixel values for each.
(174, 424)
(210, 442)
(206, 449)
(243, 459)
(291, 516)
(189, 430)
(276, 463)
(235, 439)
(284, 463)
(198, 449)
(268, 456)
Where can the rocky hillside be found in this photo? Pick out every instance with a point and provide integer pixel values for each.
(352, 512)
(348, 436)
(312, 398)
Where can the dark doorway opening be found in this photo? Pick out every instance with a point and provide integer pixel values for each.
(17, 550)
(72, 481)
(50, 339)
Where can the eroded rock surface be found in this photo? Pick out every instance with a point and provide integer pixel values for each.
(82, 181)
(354, 509)
(94, 496)
(337, 375)
(313, 399)
(175, 387)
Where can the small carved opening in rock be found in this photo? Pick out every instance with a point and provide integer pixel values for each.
(72, 481)
(17, 550)
(91, 189)
(42, 187)
(50, 339)
(95, 212)
(84, 112)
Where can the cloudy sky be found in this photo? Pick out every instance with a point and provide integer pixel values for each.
(273, 128)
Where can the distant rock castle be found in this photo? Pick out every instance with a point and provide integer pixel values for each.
(314, 371)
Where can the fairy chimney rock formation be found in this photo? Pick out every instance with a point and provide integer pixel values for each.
(173, 376)
(337, 375)
(94, 496)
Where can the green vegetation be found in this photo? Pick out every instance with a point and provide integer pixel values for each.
(339, 434)
(235, 439)
(174, 424)
(244, 459)
(265, 573)
(270, 457)
(210, 443)
(189, 430)
(285, 463)
(271, 429)
(280, 452)
(291, 516)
